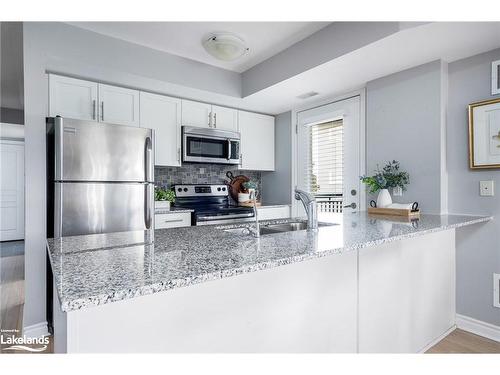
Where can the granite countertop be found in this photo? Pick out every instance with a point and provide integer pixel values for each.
(93, 270)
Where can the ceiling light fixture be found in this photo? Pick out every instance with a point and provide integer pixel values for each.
(225, 46)
(307, 95)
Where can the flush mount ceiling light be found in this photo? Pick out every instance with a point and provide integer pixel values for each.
(225, 46)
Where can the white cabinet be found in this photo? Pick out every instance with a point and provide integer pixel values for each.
(173, 220)
(11, 190)
(118, 105)
(273, 212)
(91, 101)
(257, 141)
(73, 98)
(196, 114)
(163, 114)
(224, 118)
(209, 116)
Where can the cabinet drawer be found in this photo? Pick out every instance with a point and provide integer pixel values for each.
(172, 220)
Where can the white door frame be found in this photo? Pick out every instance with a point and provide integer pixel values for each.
(362, 140)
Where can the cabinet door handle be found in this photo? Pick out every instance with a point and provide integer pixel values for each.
(178, 154)
(215, 120)
(209, 119)
(102, 111)
(174, 221)
(94, 109)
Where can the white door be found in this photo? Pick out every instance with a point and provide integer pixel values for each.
(196, 114)
(11, 190)
(329, 157)
(257, 141)
(163, 114)
(73, 98)
(225, 118)
(118, 105)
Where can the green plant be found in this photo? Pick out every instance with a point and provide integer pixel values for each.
(389, 177)
(162, 194)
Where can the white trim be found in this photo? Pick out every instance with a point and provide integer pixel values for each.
(36, 330)
(478, 327)
(495, 89)
(11, 131)
(362, 140)
(438, 339)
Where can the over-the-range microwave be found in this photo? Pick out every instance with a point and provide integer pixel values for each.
(206, 145)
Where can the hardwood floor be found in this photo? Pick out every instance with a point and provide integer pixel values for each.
(12, 300)
(464, 342)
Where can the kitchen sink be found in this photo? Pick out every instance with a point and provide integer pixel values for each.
(275, 228)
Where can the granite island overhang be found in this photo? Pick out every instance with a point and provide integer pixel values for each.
(114, 293)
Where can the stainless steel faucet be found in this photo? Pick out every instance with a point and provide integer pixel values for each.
(309, 202)
(257, 225)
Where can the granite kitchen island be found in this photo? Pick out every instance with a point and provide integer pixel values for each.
(364, 284)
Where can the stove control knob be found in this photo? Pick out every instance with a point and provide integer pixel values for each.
(185, 189)
(179, 190)
(223, 189)
(218, 189)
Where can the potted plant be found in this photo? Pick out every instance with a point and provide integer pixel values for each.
(163, 197)
(248, 192)
(389, 177)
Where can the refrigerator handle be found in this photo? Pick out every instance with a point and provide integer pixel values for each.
(148, 161)
(58, 147)
(148, 203)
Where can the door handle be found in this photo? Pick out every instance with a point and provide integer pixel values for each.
(148, 199)
(102, 110)
(352, 205)
(228, 149)
(94, 109)
(147, 160)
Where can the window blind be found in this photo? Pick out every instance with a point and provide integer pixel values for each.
(326, 158)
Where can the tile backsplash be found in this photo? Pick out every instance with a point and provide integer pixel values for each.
(201, 174)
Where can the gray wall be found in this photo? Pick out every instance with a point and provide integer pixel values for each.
(276, 186)
(11, 73)
(404, 121)
(70, 50)
(478, 246)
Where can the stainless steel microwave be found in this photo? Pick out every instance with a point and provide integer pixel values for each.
(205, 145)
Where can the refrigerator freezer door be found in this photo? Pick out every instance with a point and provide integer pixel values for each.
(92, 151)
(87, 208)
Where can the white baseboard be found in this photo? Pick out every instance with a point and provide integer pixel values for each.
(478, 327)
(438, 339)
(36, 330)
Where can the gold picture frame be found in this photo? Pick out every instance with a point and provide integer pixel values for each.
(476, 125)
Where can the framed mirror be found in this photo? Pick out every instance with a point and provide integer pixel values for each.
(484, 134)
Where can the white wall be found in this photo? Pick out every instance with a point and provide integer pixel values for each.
(69, 50)
(478, 249)
(404, 121)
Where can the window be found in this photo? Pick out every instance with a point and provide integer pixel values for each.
(325, 165)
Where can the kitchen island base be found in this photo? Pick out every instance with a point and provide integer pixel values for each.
(398, 296)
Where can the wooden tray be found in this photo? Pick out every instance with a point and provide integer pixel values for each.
(393, 212)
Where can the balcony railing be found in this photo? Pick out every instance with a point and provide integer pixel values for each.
(330, 203)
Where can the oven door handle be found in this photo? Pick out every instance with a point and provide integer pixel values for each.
(223, 217)
(228, 149)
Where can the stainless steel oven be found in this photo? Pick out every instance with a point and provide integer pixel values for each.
(204, 145)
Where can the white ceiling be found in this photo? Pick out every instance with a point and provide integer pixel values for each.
(264, 39)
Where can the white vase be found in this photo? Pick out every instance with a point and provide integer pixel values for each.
(164, 205)
(384, 198)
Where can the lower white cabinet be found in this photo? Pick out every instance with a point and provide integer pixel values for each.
(273, 212)
(163, 114)
(257, 141)
(173, 220)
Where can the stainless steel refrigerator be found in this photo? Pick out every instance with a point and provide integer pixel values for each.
(100, 177)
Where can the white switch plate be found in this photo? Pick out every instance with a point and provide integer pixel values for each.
(496, 289)
(486, 188)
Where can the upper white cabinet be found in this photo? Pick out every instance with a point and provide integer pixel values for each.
(118, 105)
(91, 101)
(196, 114)
(257, 141)
(209, 116)
(73, 98)
(224, 118)
(163, 114)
